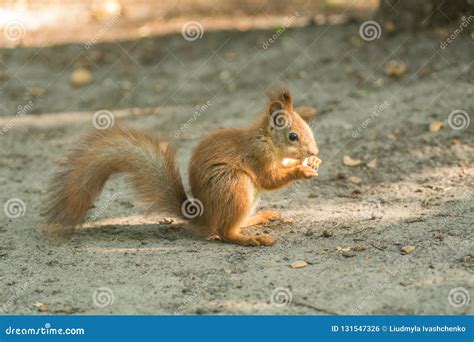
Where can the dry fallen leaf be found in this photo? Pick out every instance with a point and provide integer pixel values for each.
(81, 77)
(36, 91)
(348, 161)
(435, 126)
(343, 249)
(354, 179)
(408, 249)
(395, 69)
(40, 306)
(299, 264)
(372, 164)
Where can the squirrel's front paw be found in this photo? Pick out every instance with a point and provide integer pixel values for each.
(305, 172)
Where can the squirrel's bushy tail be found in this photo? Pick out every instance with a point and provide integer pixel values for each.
(148, 163)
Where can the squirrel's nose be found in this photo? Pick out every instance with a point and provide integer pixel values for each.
(314, 151)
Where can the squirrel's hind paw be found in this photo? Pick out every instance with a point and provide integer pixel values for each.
(253, 240)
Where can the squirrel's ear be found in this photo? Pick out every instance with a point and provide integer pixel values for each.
(275, 107)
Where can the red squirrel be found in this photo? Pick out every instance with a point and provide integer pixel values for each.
(229, 169)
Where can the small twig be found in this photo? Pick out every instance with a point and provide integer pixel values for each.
(377, 247)
(315, 308)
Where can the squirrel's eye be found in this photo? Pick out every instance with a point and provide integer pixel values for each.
(293, 136)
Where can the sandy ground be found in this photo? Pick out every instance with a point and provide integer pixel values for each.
(418, 194)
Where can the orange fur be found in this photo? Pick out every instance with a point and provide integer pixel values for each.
(228, 171)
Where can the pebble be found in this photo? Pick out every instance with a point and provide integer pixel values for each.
(327, 233)
(395, 69)
(299, 264)
(81, 77)
(435, 126)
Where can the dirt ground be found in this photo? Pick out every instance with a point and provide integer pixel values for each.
(417, 193)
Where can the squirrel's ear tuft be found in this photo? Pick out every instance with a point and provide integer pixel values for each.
(306, 113)
(282, 94)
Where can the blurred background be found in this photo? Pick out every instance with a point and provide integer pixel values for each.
(115, 43)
